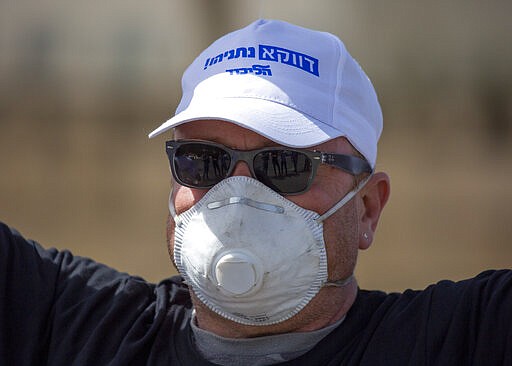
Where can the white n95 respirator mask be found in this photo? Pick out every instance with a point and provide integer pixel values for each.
(249, 254)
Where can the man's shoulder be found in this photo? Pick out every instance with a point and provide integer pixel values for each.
(482, 290)
(450, 322)
(177, 290)
(489, 282)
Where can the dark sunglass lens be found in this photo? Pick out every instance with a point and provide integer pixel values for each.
(285, 171)
(201, 165)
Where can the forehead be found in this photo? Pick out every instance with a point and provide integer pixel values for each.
(237, 137)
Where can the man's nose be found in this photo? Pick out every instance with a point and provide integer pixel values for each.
(242, 168)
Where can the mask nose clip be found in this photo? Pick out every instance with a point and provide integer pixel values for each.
(248, 202)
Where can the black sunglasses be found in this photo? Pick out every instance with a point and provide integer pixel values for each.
(202, 164)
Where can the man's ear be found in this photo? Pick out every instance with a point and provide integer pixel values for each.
(374, 197)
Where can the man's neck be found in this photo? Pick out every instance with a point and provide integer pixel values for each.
(265, 350)
(329, 306)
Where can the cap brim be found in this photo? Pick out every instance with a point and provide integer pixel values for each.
(275, 121)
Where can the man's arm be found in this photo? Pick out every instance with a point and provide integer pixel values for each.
(28, 275)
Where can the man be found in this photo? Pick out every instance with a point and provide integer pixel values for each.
(266, 260)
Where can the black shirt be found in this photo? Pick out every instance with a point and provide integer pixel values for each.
(58, 309)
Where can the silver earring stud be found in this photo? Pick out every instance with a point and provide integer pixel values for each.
(365, 235)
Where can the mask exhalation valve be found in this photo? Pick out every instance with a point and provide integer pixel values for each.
(237, 272)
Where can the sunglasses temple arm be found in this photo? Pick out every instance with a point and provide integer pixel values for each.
(344, 200)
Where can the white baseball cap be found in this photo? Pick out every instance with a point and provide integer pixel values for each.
(296, 86)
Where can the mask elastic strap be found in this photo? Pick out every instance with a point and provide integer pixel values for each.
(344, 200)
(339, 283)
(172, 209)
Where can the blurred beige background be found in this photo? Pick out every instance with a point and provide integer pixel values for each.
(82, 83)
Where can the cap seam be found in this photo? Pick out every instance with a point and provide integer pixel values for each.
(339, 75)
(261, 97)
